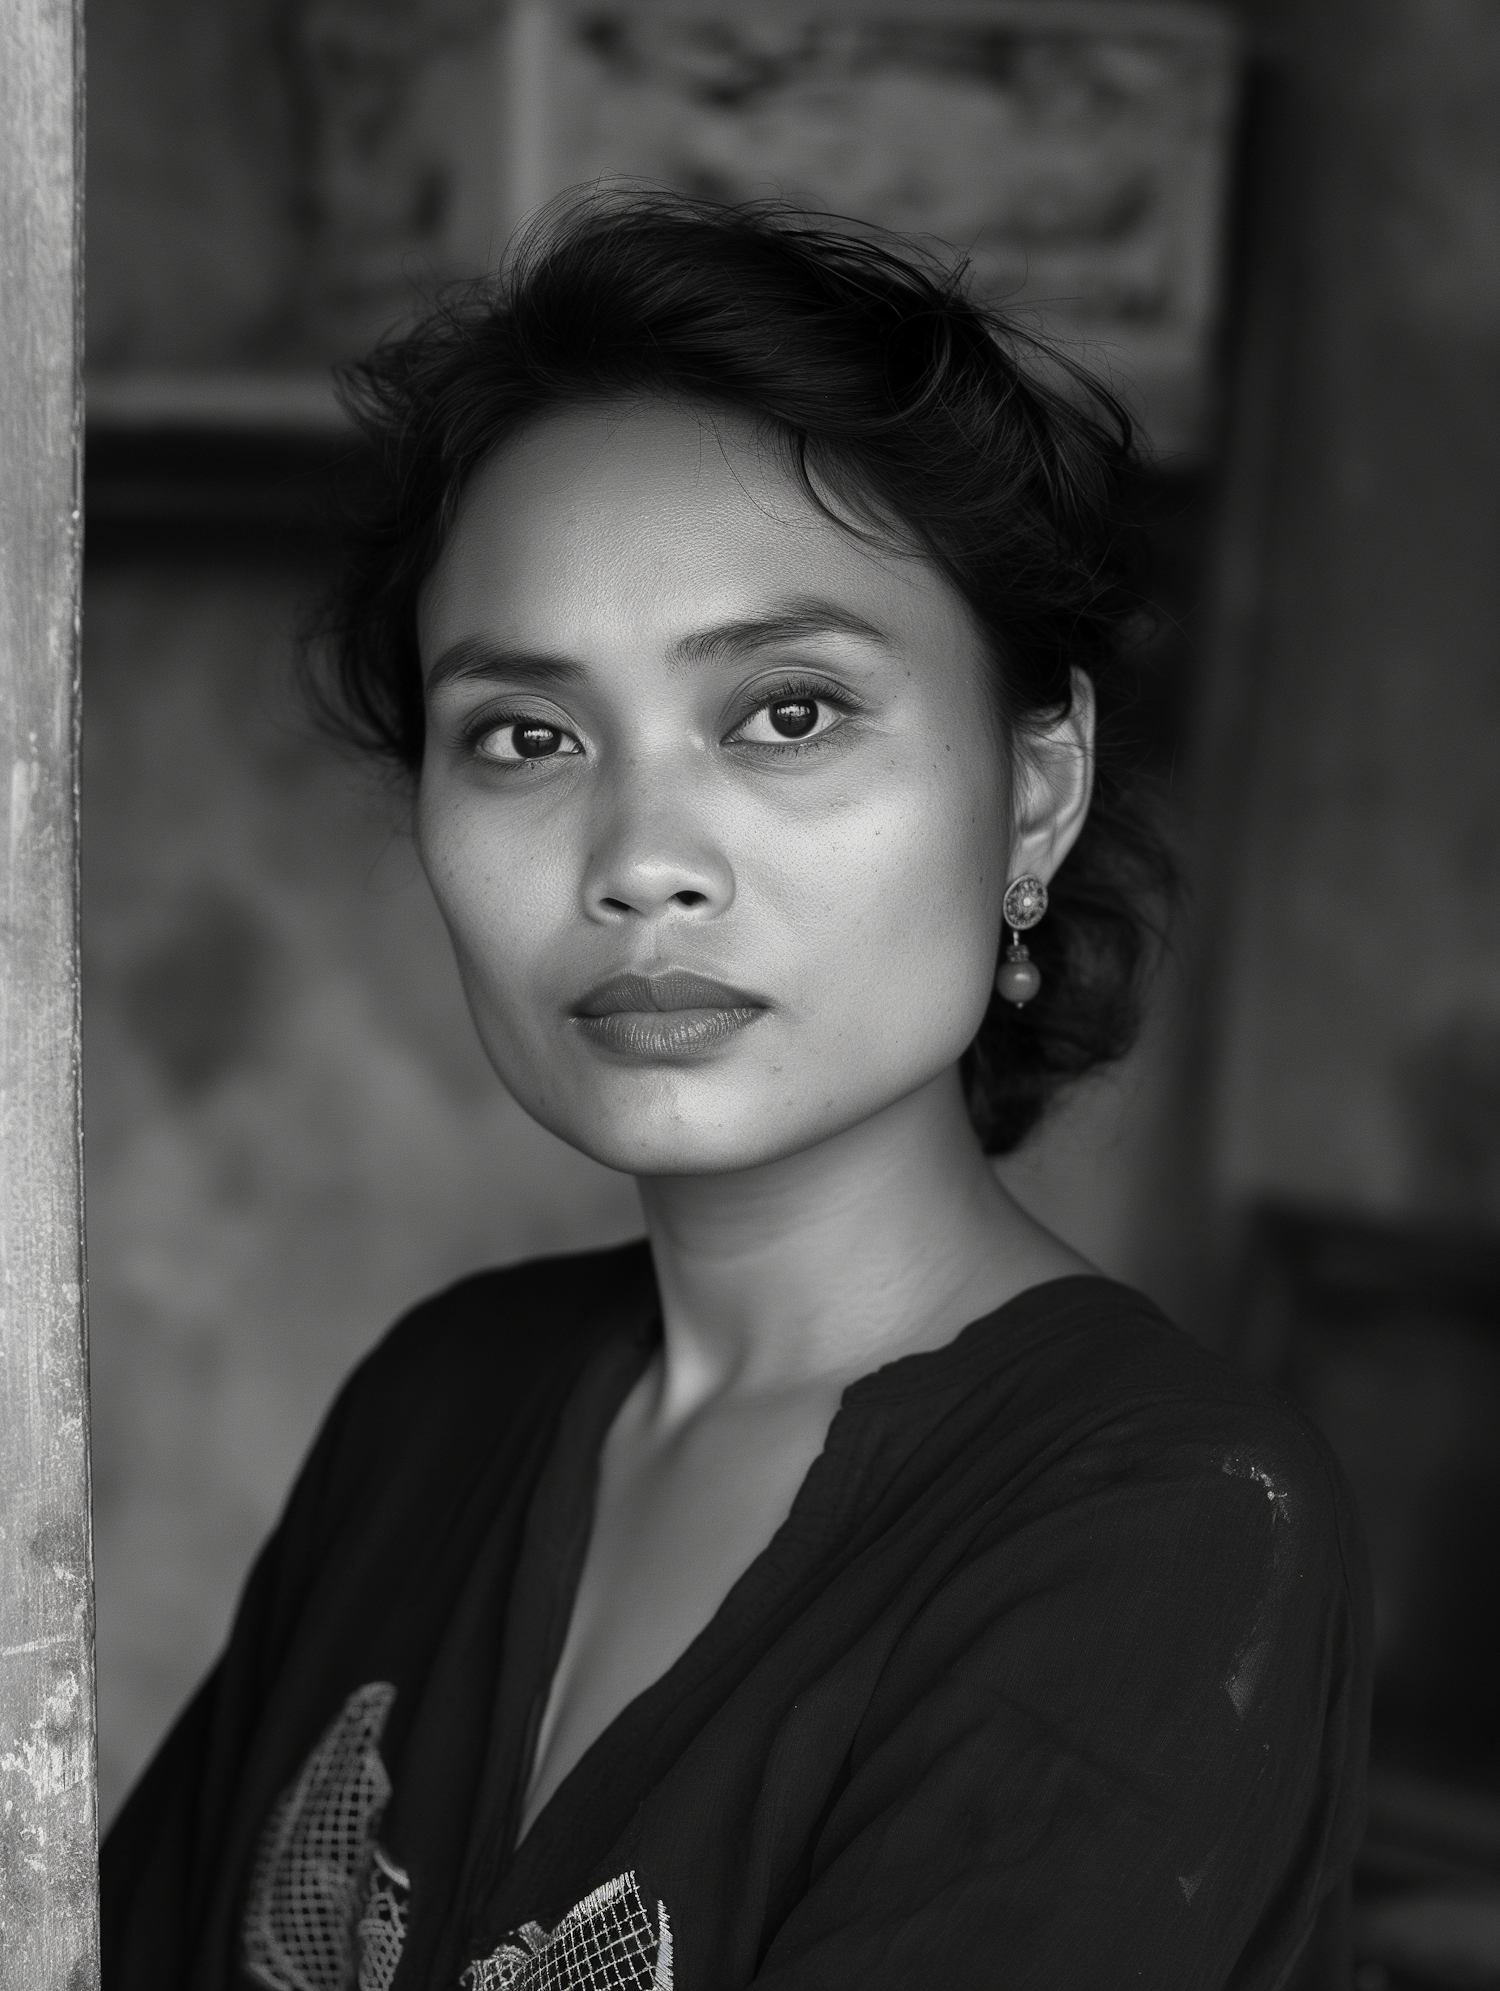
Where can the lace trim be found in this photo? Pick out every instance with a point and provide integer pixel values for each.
(326, 1910)
(381, 1935)
(609, 1942)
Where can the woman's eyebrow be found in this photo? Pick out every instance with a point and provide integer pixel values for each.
(805, 616)
(474, 658)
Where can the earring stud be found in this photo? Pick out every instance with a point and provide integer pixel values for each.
(1019, 978)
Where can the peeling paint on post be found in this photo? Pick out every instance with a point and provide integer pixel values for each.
(48, 1829)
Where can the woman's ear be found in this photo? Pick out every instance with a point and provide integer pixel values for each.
(1054, 781)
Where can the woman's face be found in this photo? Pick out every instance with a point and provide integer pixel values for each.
(713, 799)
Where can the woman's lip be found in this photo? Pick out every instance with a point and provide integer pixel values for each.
(667, 1033)
(670, 991)
(670, 1014)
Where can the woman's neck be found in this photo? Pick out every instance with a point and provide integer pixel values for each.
(817, 1268)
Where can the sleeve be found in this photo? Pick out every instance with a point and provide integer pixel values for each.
(1124, 1745)
(146, 1857)
(166, 1842)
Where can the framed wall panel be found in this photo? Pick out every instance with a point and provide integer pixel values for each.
(1076, 153)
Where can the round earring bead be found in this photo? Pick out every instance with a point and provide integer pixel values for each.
(1019, 979)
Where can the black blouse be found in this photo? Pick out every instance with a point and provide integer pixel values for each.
(1056, 1675)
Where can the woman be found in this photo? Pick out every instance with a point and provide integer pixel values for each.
(845, 1586)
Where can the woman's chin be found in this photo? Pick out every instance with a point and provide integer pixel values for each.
(664, 1134)
(681, 1148)
(716, 1115)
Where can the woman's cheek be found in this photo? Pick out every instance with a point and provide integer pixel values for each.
(490, 894)
(905, 922)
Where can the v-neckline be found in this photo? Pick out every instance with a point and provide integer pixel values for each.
(799, 1537)
(544, 1584)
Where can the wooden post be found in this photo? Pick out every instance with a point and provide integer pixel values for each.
(48, 1830)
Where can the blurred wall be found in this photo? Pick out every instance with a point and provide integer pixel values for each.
(269, 179)
(1359, 1057)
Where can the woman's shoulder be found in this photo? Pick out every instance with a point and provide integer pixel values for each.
(1112, 1356)
(519, 1315)
(464, 1363)
(1109, 1499)
(1122, 1402)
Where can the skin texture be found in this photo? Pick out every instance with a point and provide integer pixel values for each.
(646, 588)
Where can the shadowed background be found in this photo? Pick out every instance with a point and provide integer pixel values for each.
(1277, 229)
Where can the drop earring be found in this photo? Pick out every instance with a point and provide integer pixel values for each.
(1019, 978)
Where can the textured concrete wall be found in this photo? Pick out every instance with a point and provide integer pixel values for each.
(49, 1924)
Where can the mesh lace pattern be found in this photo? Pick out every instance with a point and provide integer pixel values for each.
(327, 1907)
(303, 1927)
(609, 1942)
(381, 1935)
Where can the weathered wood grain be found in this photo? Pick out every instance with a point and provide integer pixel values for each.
(48, 1911)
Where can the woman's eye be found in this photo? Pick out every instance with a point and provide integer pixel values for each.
(796, 718)
(526, 739)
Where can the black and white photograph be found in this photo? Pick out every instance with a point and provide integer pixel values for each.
(750, 1008)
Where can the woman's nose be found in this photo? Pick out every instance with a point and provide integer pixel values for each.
(654, 857)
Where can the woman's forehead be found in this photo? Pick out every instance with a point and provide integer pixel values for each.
(665, 514)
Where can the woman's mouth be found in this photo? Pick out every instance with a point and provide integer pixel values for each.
(670, 1014)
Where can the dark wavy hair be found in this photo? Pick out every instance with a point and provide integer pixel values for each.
(886, 384)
